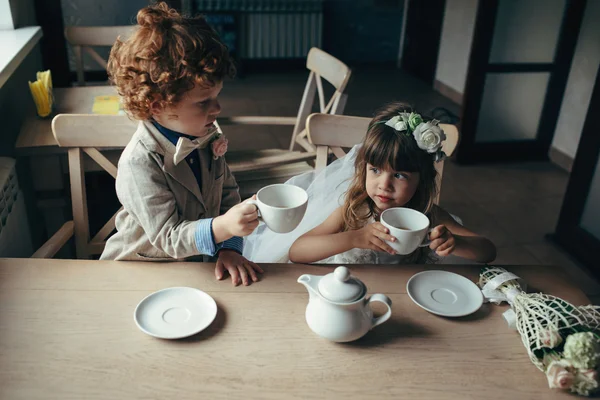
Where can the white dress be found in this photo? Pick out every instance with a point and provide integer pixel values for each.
(368, 256)
(326, 192)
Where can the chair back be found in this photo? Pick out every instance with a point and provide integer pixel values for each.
(83, 38)
(321, 65)
(332, 133)
(86, 134)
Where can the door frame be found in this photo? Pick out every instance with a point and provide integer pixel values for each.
(413, 19)
(470, 151)
(53, 44)
(569, 234)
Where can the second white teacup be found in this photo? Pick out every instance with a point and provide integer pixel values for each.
(408, 226)
(281, 207)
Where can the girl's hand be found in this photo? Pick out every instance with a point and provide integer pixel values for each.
(373, 237)
(443, 241)
(238, 266)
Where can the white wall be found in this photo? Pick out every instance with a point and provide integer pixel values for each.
(6, 19)
(526, 31)
(511, 106)
(580, 83)
(455, 43)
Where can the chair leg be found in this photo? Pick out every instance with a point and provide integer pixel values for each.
(79, 203)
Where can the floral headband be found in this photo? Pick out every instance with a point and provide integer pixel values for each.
(428, 135)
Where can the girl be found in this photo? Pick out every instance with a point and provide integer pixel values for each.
(180, 201)
(394, 167)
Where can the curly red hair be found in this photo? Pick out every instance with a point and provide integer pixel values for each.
(165, 57)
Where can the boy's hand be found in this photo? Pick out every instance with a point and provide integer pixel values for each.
(238, 267)
(443, 241)
(373, 237)
(240, 220)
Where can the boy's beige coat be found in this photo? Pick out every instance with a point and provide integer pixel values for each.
(162, 202)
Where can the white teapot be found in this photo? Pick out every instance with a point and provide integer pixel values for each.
(338, 309)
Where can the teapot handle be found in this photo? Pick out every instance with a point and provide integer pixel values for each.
(385, 300)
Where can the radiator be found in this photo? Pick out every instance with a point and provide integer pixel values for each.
(271, 29)
(15, 239)
(281, 35)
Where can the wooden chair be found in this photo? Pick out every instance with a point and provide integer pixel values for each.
(335, 132)
(86, 134)
(266, 162)
(83, 38)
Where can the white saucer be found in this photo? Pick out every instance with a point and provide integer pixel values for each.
(175, 313)
(444, 293)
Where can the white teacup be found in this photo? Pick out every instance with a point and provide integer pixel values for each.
(281, 207)
(408, 226)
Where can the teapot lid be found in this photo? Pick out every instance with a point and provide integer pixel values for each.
(340, 287)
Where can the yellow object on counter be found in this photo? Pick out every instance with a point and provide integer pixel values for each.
(108, 105)
(41, 90)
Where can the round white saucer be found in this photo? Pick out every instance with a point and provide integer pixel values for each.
(175, 313)
(444, 293)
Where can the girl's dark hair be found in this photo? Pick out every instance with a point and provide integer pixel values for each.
(384, 147)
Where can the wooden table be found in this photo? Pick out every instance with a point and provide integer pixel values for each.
(36, 138)
(67, 331)
(48, 162)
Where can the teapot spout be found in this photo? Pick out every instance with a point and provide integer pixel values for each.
(309, 282)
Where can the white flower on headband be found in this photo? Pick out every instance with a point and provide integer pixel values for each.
(405, 122)
(429, 136)
(399, 122)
